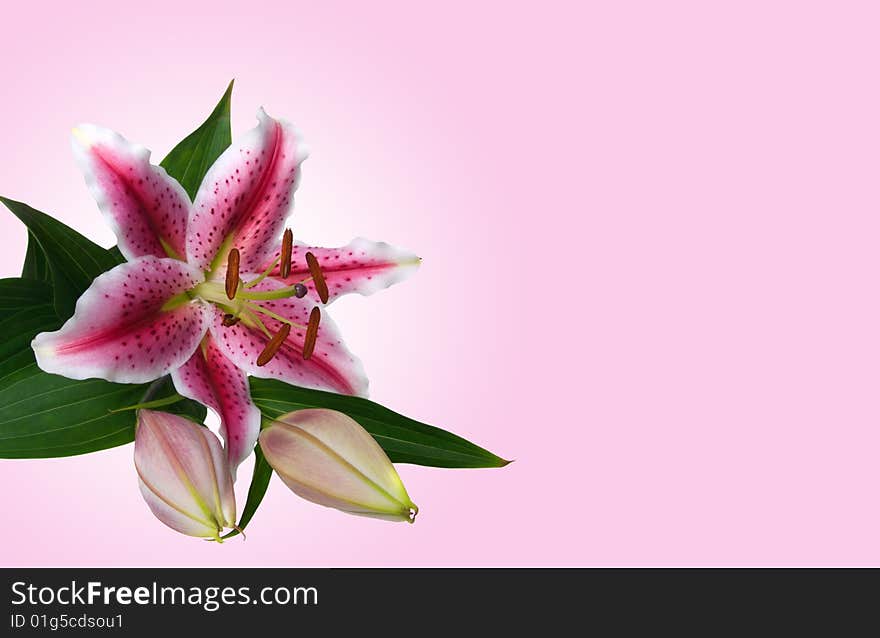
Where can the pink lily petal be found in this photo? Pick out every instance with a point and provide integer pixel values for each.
(363, 266)
(145, 207)
(120, 331)
(331, 367)
(213, 380)
(246, 196)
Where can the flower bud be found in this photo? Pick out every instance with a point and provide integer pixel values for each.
(183, 474)
(325, 457)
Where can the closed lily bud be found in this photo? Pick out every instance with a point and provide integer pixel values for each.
(184, 475)
(325, 457)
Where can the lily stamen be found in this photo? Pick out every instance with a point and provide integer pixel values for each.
(286, 248)
(318, 277)
(297, 290)
(260, 309)
(250, 316)
(232, 263)
(311, 333)
(263, 274)
(274, 345)
(230, 320)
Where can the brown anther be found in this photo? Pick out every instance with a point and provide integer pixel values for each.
(318, 277)
(286, 248)
(232, 273)
(274, 345)
(311, 333)
(230, 320)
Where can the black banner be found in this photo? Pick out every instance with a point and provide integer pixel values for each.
(138, 601)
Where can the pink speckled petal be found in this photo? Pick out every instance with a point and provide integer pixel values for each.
(246, 196)
(143, 205)
(331, 367)
(119, 330)
(212, 379)
(363, 266)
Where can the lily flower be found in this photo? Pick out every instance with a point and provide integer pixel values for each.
(213, 290)
(183, 474)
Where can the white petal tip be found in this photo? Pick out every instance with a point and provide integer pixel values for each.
(81, 137)
(43, 352)
(42, 349)
(86, 136)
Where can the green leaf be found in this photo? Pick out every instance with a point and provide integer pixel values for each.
(256, 492)
(402, 438)
(73, 260)
(16, 294)
(36, 265)
(190, 160)
(116, 254)
(46, 415)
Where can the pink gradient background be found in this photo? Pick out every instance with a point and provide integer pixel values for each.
(650, 240)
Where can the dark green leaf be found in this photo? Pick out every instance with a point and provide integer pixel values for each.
(36, 266)
(116, 254)
(46, 415)
(190, 160)
(18, 294)
(402, 438)
(73, 260)
(256, 492)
